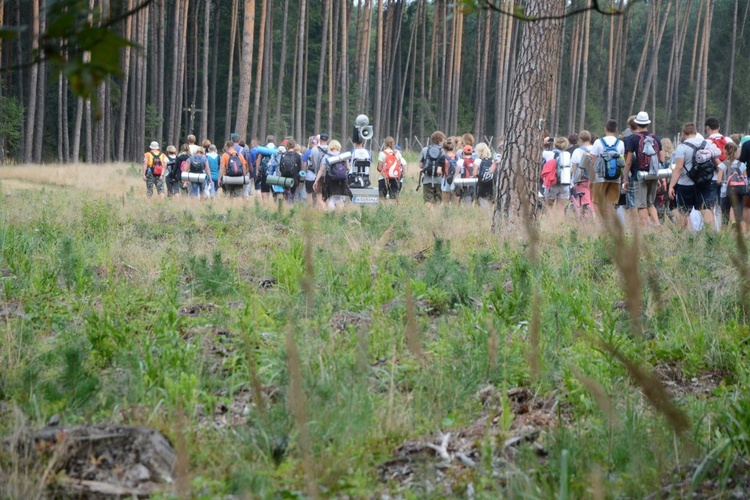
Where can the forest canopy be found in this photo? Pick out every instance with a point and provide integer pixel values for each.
(109, 76)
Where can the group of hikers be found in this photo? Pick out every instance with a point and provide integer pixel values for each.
(650, 178)
(636, 170)
(319, 174)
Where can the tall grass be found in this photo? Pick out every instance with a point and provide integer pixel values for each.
(375, 326)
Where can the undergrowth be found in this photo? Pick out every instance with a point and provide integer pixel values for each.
(94, 329)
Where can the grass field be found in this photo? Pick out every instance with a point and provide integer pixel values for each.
(290, 352)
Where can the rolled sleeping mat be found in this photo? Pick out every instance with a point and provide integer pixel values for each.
(663, 173)
(193, 177)
(346, 156)
(237, 180)
(470, 181)
(277, 180)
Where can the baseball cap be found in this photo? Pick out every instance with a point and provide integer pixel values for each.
(323, 136)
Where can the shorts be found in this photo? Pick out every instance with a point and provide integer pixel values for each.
(445, 187)
(583, 194)
(630, 193)
(151, 181)
(431, 193)
(558, 192)
(309, 187)
(234, 190)
(645, 193)
(608, 193)
(694, 197)
(389, 188)
(262, 186)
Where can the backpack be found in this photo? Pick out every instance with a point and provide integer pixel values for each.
(468, 167)
(562, 160)
(391, 166)
(288, 164)
(452, 167)
(736, 179)
(582, 172)
(720, 142)
(234, 166)
(196, 165)
(702, 171)
(263, 169)
(610, 163)
(157, 168)
(338, 171)
(648, 154)
(484, 176)
(434, 160)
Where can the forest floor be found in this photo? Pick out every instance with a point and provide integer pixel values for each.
(392, 351)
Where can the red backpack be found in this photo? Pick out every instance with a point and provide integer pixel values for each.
(391, 166)
(468, 167)
(721, 142)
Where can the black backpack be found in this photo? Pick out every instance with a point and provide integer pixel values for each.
(288, 166)
(196, 165)
(484, 177)
(702, 171)
(263, 169)
(434, 160)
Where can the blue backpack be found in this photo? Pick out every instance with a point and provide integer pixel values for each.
(610, 163)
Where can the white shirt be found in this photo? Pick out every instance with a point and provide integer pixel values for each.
(598, 148)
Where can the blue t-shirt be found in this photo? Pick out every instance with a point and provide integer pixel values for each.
(213, 164)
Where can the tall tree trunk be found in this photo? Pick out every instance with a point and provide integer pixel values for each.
(649, 29)
(409, 64)
(2, 23)
(655, 56)
(344, 68)
(298, 121)
(279, 125)
(728, 123)
(124, 89)
(267, 72)
(519, 170)
(41, 98)
(77, 131)
(65, 132)
(177, 40)
(321, 66)
(230, 78)
(61, 108)
(213, 76)
(246, 68)
(611, 65)
(585, 74)
(704, 75)
(160, 84)
(203, 131)
(259, 66)
(33, 83)
(332, 47)
(695, 40)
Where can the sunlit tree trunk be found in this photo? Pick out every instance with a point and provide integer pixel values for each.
(531, 92)
(203, 130)
(230, 78)
(33, 82)
(344, 68)
(585, 69)
(41, 98)
(259, 67)
(728, 123)
(298, 123)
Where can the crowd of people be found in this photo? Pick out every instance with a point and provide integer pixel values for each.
(318, 174)
(636, 171)
(647, 176)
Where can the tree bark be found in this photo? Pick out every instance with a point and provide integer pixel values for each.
(230, 78)
(298, 131)
(203, 131)
(732, 51)
(519, 169)
(259, 67)
(41, 98)
(124, 89)
(321, 67)
(585, 70)
(267, 73)
(344, 68)
(279, 125)
(214, 76)
(33, 82)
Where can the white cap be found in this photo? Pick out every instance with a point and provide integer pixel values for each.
(154, 145)
(642, 118)
(282, 149)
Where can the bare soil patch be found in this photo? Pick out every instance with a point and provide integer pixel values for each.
(196, 310)
(100, 461)
(680, 385)
(442, 459)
